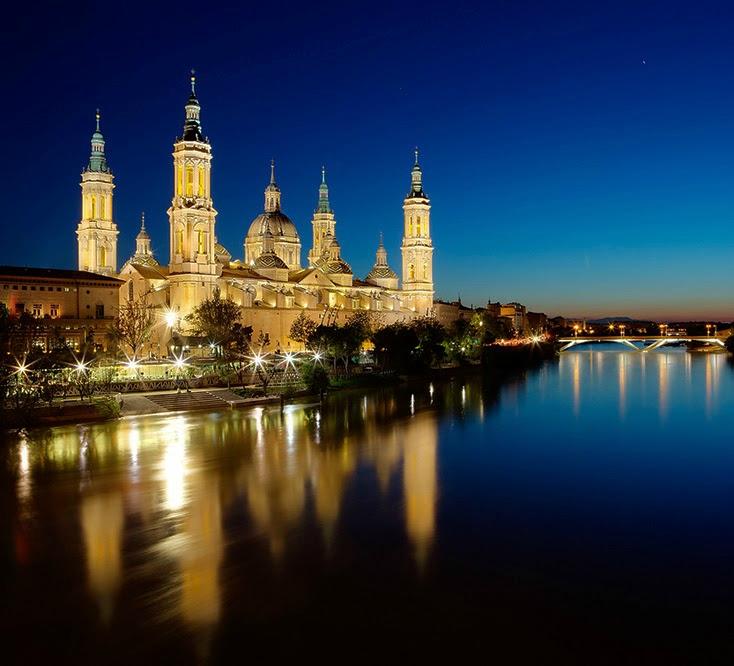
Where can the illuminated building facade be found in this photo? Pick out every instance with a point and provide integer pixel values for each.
(270, 284)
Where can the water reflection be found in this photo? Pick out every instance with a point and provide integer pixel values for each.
(188, 522)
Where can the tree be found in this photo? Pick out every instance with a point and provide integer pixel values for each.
(214, 318)
(395, 346)
(315, 378)
(729, 343)
(133, 325)
(341, 343)
(302, 329)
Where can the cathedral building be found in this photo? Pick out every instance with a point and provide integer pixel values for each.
(269, 283)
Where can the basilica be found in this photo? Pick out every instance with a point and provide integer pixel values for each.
(269, 282)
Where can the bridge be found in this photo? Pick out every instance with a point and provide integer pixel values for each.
(649, 342)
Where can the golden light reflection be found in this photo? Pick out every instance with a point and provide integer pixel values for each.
(102, 523)
(663, 387)
(174, 464)
(419, 484)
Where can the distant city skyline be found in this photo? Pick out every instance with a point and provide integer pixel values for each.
(578, 158)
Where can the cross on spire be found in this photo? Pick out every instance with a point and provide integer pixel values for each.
(193, 82)
(97, 118)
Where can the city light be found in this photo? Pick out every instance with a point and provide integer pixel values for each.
(317, 356)
(170, 317)
(132, 364)
(179, 362)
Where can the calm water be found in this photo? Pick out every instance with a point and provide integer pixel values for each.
(582, 513)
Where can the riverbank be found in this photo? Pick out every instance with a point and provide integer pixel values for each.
(494, 359)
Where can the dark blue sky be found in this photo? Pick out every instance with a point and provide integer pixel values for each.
(578, 155)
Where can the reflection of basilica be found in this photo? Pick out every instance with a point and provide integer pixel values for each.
(170, 483)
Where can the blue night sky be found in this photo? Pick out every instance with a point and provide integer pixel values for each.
(578, 155)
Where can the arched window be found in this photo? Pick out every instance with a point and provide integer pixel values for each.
(418, 226)
(425, 270)
(189, 181)
(102, 207)
(411, 271)
(179, 241)
(103, 256)
(202, 182)
(410, 226)
(202, 242)
(94, 208)
(179, 180)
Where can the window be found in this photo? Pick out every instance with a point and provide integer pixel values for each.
(130, 291)
(94, 207)
(289, 301)
(102, 206)
(189, 181)
(378, 304)
(24, 288)
(202, 242)
(59, 289)
(411, 271)
(202, 181)
(99, 311)
(37, 310)
(15, 286)
(33, 288)
(418, 226)
(425, 270)
(42, 289)
(179, 241)
(102, 257)
(179, 180)
(355, 304)
(54, 310)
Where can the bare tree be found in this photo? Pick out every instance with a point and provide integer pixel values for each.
(134, 323)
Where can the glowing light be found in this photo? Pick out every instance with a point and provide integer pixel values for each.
(132, 364)
(170, 317)
(179, 362)
(317, 356)
(288, 359)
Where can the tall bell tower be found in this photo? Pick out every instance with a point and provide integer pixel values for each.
(417, 248)
(96, 232)
(323, 222)
(193, 269)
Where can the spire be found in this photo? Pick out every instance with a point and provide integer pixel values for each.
(381, 254)
(272, 192)
(416, 178)
(381, 270)
(323, 206)
(142, 233)
(192, 124)
(97, 159)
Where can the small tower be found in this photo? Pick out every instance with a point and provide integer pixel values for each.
(96, 232)
(193, 268)
(143, 252)
(272, 192)
(381, 274)
(323, 222)
(417, 249)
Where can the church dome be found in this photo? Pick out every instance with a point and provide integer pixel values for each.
(280, 224)
(382, 272)
(270, 260)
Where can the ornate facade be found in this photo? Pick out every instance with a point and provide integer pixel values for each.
(269, 283)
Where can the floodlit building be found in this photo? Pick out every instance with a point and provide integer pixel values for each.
(269, 283)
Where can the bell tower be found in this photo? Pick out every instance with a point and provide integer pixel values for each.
(417, 248)
(96, 232)
(193, 269)
(323, 223)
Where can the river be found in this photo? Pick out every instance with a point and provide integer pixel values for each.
(582, 512)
